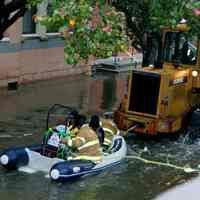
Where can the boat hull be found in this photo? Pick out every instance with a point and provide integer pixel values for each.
(61, 170)
(15, 158)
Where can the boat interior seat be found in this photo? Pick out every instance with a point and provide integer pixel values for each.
(116, 145)
(49, 151)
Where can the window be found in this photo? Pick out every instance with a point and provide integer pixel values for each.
(29, 25)
(32, 29)
(180, 48)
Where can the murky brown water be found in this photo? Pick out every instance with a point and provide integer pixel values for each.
(22, 121)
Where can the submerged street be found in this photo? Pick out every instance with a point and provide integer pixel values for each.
(23, 121)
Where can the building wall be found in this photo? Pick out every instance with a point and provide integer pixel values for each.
(25, 65)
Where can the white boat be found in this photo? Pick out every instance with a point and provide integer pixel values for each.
(32, 158)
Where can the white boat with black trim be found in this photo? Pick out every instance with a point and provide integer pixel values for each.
(39, 158)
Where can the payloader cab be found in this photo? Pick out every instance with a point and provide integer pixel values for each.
(162, 96)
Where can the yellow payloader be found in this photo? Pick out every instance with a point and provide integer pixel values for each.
(162, 97)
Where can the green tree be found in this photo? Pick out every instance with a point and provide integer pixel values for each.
(145, 20)
(98, 27)
(88, 27)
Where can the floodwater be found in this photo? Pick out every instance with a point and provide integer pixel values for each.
(23, 119)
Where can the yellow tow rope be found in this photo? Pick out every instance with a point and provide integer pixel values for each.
(185, 169)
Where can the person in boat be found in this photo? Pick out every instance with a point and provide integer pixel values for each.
(65, 129)
(95, 125)
(86, 144)
(72, 123)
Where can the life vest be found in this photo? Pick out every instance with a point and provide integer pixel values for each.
(86, 144)
(83, 157)
(73, 131)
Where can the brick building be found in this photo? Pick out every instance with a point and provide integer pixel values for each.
(30, 52)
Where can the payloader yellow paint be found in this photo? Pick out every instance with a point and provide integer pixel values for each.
(161, 99)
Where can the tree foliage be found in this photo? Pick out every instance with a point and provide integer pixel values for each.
(145, 20)
(96, 27)
(148, 16)
(89, 28)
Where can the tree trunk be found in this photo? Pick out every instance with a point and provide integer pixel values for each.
(18, 7)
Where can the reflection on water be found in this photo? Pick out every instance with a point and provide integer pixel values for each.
(109, 93)
(22, 121)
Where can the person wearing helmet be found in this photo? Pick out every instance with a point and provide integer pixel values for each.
(86, 144)
(74, 122)
(65, 129)
(95, 125)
